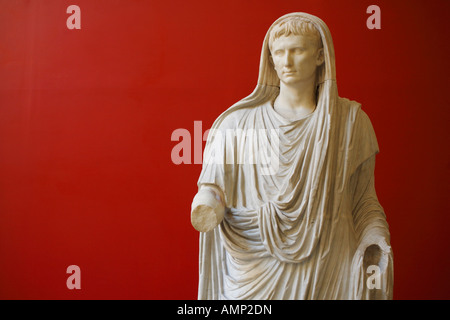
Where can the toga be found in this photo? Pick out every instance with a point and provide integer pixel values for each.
(299, 196)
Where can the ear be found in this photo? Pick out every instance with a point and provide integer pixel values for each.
(320, 58)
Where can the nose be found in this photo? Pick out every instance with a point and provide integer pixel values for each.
(287, 59)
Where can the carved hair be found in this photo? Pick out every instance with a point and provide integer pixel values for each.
(297, 26)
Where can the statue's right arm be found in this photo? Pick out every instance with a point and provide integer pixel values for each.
(208, 208)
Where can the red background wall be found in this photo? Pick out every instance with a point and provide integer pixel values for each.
(86, 118)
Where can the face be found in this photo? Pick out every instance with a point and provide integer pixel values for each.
(296, 59)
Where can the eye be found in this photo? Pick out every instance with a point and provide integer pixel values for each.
(278, 53)
(298, 50)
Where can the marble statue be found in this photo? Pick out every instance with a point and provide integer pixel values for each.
(286, 206)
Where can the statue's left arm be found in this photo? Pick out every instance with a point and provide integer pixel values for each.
(370, 223)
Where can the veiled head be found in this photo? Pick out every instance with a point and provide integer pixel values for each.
(296, 50)
(299, 24)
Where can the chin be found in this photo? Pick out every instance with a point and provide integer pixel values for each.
(290, 80)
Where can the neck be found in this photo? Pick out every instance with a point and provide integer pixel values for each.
(297, 99)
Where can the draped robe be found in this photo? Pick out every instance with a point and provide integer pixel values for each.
(292, 232)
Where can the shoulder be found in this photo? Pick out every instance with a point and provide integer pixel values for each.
(352, 113)
(356, 133)
(359, 127)
(233, 118)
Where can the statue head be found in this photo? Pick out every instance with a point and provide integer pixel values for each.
(296, 50)
(268, 85)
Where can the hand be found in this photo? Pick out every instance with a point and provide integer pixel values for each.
(375, 251)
